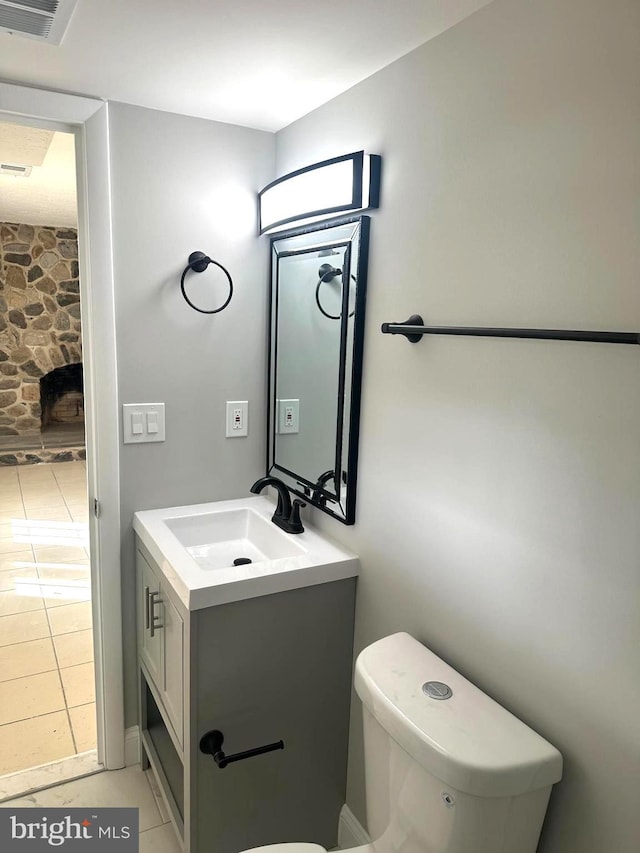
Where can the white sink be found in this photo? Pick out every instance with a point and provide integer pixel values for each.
(216, 539)
(196, 546)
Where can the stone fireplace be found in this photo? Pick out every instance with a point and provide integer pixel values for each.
(40, 343)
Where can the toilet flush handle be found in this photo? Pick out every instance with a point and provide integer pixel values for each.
(211, 744)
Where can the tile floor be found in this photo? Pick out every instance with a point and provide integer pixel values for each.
(129, 787)
(47, 694)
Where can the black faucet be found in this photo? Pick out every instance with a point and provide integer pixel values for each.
(286, 517)
(322, 480)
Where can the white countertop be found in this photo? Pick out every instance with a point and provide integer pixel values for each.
(321, 560)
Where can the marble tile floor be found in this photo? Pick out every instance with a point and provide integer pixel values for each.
(129, 787)
(47, 693)
(67, 769)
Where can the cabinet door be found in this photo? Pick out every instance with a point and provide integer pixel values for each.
(149, 611)
(173, 693)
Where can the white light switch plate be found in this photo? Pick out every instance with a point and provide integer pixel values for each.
(143, 422)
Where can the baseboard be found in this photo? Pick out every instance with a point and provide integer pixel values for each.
(351, 833)
(132, 746)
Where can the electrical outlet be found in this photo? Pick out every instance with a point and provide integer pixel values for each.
(288, 416)
(237, 418)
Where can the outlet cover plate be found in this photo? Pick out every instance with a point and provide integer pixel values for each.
(288, 417)
(237, 418)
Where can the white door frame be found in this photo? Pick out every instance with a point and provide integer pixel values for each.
(88, 119)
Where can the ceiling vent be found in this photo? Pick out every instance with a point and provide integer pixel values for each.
(15, 171)
(43, 20)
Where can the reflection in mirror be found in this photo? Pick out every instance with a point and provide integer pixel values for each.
(318, 285)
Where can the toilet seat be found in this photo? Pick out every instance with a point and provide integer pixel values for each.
(289, 847)
(304, 847)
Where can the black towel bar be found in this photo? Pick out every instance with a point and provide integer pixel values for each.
(413, 329)
(211, 744)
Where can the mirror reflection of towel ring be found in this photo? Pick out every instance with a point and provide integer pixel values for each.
(326, 274)
(198, 262)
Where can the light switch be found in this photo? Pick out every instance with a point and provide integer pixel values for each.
(143, 422)
(137, 425)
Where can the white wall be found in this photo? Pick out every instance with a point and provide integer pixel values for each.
(499, 525)
(182, 184)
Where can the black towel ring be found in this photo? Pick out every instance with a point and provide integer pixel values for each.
(198, 262)
(327, 273)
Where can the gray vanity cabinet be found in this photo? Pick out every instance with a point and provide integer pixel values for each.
(269, 668)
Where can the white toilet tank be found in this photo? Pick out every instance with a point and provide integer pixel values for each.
(446, 775)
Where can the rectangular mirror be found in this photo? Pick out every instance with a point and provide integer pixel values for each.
(318, 290)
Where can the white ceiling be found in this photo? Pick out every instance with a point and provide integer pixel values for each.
(24, 146)
(259, 63)
(48, 195)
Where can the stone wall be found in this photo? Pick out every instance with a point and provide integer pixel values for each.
(39, 317)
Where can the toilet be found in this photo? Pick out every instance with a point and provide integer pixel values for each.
(447, 769)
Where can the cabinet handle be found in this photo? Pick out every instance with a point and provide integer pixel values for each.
(146, 608)
(154, 624)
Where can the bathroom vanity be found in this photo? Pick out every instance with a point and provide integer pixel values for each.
(261, 652)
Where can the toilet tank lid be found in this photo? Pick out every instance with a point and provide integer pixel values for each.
(468, 741)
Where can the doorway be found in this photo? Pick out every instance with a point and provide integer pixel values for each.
(88, 120)
(47, 681)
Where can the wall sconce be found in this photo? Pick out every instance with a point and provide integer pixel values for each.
(342, 184)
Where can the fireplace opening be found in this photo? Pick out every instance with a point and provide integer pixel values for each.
(62, 404)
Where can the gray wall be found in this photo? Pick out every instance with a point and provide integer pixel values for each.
(499, 480)
(181, 184)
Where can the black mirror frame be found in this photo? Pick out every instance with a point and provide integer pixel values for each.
(299, 485)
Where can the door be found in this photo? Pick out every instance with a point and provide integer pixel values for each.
(173, 694)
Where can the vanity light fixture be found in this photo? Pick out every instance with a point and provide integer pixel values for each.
(344, 184)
